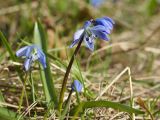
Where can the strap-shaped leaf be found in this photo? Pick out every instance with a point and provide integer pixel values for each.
(47, 81)
(6, 114)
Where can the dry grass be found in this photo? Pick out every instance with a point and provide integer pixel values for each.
(133, 53)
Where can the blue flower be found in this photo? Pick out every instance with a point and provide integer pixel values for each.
(96, 3)
(76, 86)
(31, 54)
(98, 28)
(106, 22)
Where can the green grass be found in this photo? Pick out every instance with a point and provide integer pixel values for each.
(51, 25)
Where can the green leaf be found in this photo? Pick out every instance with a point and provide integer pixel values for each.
(5, 43)
(2, 55)
(61, 5)
(1, 97)
(6, 114)
(151, 6)
(115, 105)
(11, 53)
(40, 40)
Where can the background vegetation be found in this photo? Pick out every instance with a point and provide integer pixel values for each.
(133, 51)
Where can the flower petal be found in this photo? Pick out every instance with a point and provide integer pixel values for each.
(101, 35)
(100, 28)
(42, 58)
(89, 41)
(78, 34)
(76, 37)
(105, 23)
(73, 43)
(27, 64)
(109, 19)
(29, 50)
(22, 51)
(96, 3)
(87, 24)
(76, 86)
(98, 31)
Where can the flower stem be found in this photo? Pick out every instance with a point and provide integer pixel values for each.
(66, 107)
(67, 74)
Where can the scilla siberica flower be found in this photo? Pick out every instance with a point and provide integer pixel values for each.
(96, 3)
(76, 86)
(31, 54)
(98, 28)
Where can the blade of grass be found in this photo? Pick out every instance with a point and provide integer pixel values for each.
(1, 97)
(2, 56)
(10, 51)
(41, 40)
(5, 43)
(151, 6)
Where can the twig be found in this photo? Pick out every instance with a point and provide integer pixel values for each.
(127, 69)
(131, 92)
(9, 105)
(28, 110)
(113, 81)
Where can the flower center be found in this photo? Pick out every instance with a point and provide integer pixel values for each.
(35, 55)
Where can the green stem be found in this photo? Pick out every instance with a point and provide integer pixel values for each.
(22, 95)
(78, 99)
(66, 106)
(33, 90)
(67, 74)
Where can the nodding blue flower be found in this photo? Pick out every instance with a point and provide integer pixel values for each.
(96, 3)
(31, 53)
(98, 28)
(76, 86)
(106, 22)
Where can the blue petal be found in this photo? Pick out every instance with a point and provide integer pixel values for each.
(78, 34)
(98, 31)
(87, 24)
(76, 37)
(104, 22)
(96, 3)
(73, 43)
(42, 58)
(89, 41)
(100, 28)
(109, 19)
(29, 50)
(110, 25)
(22, 51)
(76, 86)
(27, 64)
